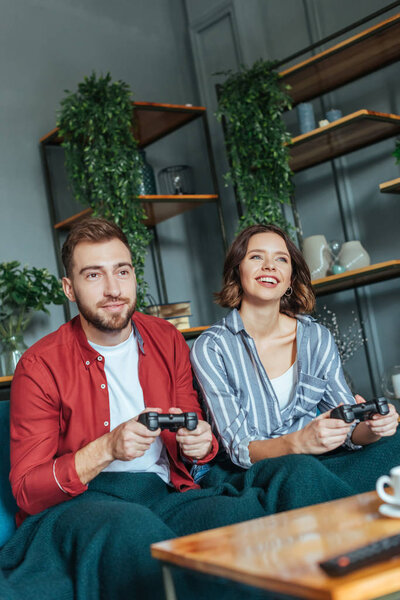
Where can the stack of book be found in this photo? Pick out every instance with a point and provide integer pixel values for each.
(177, 313)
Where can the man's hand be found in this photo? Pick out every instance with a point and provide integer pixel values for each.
(131, 439)
(321, 435)
(194, 444)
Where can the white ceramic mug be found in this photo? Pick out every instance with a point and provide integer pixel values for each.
(394, 482)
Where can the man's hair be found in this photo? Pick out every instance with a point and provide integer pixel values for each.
(89, 230)
(302, 298)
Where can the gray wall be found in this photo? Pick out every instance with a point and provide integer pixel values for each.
(226, 33)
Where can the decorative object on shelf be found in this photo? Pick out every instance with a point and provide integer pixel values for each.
(317, 255)
(347, 341)
(102, 160)
(23, 291)
(251, 103)
(353, 256)
(337, 269)
(333, 114)
(177, 313)
(323, 123)
(306, 118)
(147, 185)
(391, 383)
(176, 180)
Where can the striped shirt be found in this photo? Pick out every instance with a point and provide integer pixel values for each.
(238, 393)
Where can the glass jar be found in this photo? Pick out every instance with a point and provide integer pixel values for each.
(12, 348)
(176, 180)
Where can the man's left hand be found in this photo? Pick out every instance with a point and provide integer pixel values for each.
(194, 444)
(382, 425)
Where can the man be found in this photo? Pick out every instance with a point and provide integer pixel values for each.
(76, 397)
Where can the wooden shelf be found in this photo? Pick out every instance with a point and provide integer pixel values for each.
(357, 130)
(359, 55)
(5, 380)
(390, 187)
(158, 208)
(193, 332)
(152, 121)
(357, 278)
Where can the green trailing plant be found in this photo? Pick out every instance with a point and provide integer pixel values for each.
(251, 103)
(396, 152)
(103, 162)
(23, 291)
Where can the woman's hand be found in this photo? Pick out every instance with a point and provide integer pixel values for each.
(197, 443)
(321, 435)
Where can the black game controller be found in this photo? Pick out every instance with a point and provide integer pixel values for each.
(154, 420)
(362, 412)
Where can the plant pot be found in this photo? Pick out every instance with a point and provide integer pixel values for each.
(12, 348)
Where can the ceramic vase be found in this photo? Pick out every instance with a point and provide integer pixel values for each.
(353, 256)
(317, 255)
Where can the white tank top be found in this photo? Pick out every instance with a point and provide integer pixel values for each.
(284, 385)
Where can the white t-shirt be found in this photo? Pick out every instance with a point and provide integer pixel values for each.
(121, 364)
(284, 385)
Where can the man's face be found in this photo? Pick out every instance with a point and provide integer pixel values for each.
(103, 285)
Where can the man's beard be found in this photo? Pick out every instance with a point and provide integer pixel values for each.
(106, 323)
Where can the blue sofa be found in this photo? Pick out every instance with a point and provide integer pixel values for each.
(8, 507)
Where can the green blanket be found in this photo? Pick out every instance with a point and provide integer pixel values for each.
(96, 546)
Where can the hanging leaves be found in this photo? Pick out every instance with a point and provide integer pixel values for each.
(103, 162)
(251, 103)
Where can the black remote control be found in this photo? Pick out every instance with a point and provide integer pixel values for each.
(362, 412)
(361, 557)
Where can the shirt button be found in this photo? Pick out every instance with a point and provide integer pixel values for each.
(99, 358)
(103, 385)
(105, 423)
(87, 363)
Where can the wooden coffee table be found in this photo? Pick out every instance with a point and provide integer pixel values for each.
(281, 552)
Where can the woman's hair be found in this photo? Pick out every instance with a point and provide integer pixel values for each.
(302, 298)
(89, 230)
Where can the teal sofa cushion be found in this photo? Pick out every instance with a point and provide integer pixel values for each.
(8, 507)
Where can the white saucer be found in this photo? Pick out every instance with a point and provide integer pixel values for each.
(390, 510)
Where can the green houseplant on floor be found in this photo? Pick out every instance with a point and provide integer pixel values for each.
(103, 162)
(23, 291)
(251, 103)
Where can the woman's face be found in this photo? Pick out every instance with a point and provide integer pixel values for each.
(266, 269)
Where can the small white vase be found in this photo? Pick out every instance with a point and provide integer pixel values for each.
(353, 256)
(317, 255)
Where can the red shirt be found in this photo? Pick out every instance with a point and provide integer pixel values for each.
(60, 403)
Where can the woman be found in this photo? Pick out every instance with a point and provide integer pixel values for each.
(267, 369)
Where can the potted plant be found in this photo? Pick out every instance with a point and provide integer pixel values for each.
(23, 291)
(103, 161)
(251, 103)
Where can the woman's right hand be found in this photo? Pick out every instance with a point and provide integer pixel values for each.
(321, 435)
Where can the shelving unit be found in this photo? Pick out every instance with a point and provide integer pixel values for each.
(357, 130)
(326, 71)
(5, 381)
(362, 54)
(151, 122)
(390, 187)
(158, 208)
(358, 277)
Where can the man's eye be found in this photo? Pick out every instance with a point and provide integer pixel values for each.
(124, 273)
(92, 275)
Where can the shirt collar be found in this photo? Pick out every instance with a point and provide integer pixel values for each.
(234, 322)
(89, 354)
